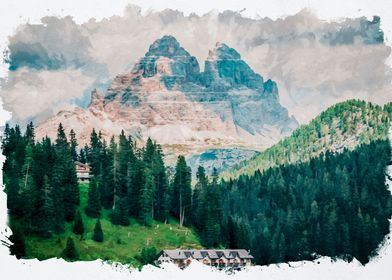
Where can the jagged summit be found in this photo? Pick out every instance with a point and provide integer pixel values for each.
(222, 51)
(224, 68)
(167, 46)
(167, 98)
(168, 59)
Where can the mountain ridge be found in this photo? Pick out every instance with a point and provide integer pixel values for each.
(166, 97)
(344, 125)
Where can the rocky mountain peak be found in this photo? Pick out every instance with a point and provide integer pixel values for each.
(223, 52)
(167, 98)
(167, 46)
(172, 62)
(224, 68)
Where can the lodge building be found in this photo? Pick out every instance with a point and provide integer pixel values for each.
(235, 258)
(82, 171)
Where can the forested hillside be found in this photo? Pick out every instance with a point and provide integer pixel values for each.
(130, 188)
(334, 205)
(307, 200)
(344, 125)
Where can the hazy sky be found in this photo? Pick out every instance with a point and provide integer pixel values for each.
(56, 62)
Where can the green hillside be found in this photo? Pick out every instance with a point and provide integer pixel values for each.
(121, 243)
(344, 125)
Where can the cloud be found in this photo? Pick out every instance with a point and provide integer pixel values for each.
(310, 59)
(54, 44)
(34, 95)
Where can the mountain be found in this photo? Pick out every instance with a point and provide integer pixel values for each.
(220, 159)
(166, 97)
(345, 125)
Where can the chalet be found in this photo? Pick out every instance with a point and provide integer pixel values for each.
(82, 171)
(235, 258)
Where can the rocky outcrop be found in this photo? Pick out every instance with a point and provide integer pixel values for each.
(165, 96)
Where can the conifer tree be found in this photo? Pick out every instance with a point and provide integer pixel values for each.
(212, 211)
(123, 188)
(109, 175)
(29, 134)
(94, 154)
(46, 221)
(119, 214)
(93, 208)
(182, 191)
(78, 226)
(18, 247)
(27, 188)
(70, 252)
(64, 175)
(98, 233)
(73, 145)
(162, 190)
(82, 156)
(146, 201)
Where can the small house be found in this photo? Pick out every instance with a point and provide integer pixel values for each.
(82, 171)
(236, 258)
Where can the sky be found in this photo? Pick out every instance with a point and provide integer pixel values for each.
(24, 98)
(58, 55)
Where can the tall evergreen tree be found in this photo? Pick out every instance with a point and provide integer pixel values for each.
(64, 175)
(94, 154)
(199, 199)
(27, 187)
(182, 192)
(211, 232)
(146, 202)
(78, 226)
(82, 156)
(73, 145)
(98, 233)
(46, 221)
(162, 190)
(93, 208)
(70, 252)
(30, 135)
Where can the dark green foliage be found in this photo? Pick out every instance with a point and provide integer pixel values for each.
(119, 215)
(73, 145)
(336, 205)
(29, 134)
(17, 238)
(41, 185)
(64, 176)
(98, 233)
(70, 252)
(107, 183)
(209, 210)
(148, 255)
(182, 192)
(161, 187)
(45, 219)
(82, 156)
(93, 208)
(94, 153)
(339, 124)
(147, 199)
(78, 226)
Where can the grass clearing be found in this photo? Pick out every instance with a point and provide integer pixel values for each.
(121, 244)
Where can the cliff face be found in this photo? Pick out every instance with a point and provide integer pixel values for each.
(166, 97)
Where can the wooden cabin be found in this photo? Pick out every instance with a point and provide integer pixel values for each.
(82, 171)
(236, 258)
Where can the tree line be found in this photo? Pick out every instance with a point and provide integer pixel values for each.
(334, 205)
(43, 190)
